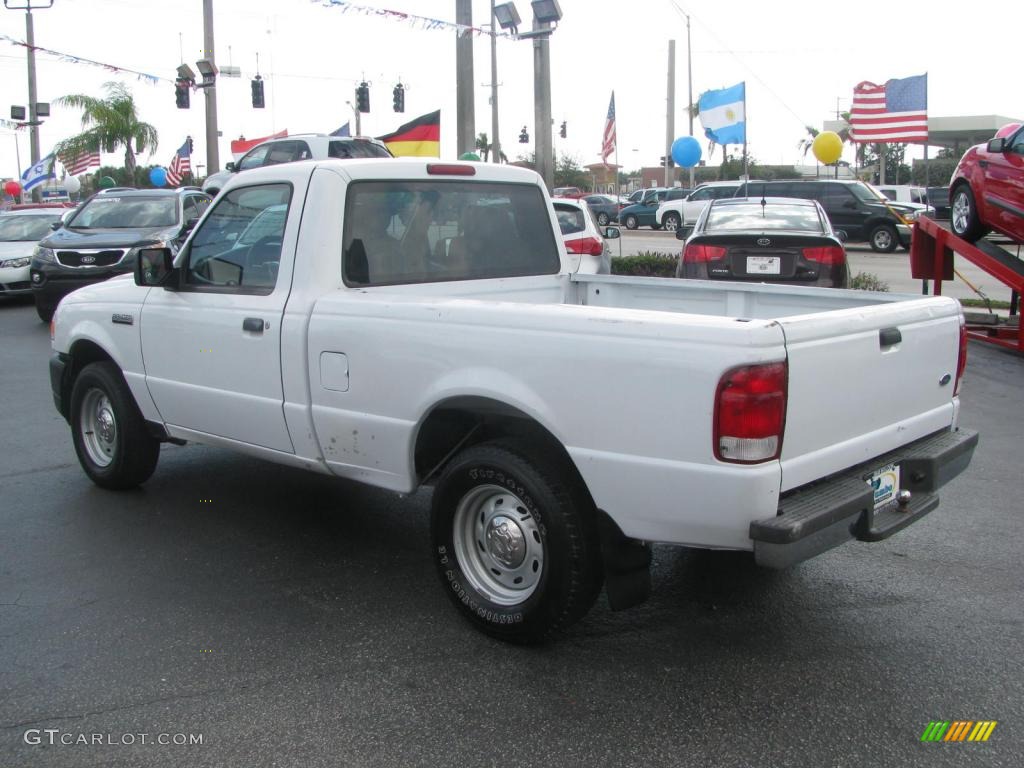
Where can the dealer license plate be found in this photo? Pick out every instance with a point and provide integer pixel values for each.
(764, 265)
(885, 483)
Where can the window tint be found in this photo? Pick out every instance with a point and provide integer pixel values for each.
(701, 194)
(723, 218)
(570, 220)
(283, 152)
(349, 149)
(719, 193)
(238, 246)
(835, 195)
(302, 151)
(427, 231)
(254, 159)
(675, 194)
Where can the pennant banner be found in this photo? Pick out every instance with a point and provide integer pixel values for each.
(151, 79)
(418, 22)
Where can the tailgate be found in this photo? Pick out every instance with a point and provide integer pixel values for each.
(865, 381)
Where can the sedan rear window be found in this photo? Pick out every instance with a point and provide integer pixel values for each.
(727, 218)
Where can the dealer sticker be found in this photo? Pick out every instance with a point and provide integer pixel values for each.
(885, 483)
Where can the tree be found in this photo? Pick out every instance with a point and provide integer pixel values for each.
(483, 145)
(108, 124)
(568, 173)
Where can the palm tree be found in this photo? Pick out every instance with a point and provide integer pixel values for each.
(483, 145)
(109, 123)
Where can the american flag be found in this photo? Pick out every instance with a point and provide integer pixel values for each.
(180, 164)
(608, 145)
(896, 111)
(81, 163)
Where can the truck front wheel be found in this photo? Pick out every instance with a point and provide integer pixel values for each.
(113, 446)
(883, 238)
(515, 541)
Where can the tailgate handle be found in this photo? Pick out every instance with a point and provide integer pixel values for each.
(887, 337)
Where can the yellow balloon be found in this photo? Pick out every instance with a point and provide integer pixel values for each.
(828, 147)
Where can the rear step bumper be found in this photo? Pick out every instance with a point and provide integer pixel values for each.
(827, 513)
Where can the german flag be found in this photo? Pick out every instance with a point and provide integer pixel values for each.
(419, 138)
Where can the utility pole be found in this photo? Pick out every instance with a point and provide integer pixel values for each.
(495, 142)
(689, 77)
(670, 123)
(542, 103)
(465, 108)
(30, 39)
(212, 138)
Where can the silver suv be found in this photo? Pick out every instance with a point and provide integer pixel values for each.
(312, 146)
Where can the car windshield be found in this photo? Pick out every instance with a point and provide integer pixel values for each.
(15, 229)
(115, 212)
(728, 218)
(866, 192)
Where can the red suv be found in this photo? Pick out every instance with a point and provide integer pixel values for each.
(987, 189)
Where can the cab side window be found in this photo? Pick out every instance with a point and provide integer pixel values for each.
(701, 194)
(835, 196)
(238, 246)
(1018, 143)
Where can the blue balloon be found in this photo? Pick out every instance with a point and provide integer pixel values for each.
(686, 151)
(158, 176)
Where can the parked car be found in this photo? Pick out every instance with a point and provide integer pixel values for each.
(938, 200)
(584, 240)
(856, 208)
(987, 189)
(642, 214)
(102, 239)
(20, 230)
(573, 193)
(640, 195)
(904, 193)
(776, 240)
(291, 149)
(684, 210)
(604, 207)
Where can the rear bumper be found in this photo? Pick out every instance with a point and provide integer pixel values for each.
(825, 514)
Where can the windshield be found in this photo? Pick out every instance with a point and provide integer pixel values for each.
(729, 218)
(864, 191)
(113, 212)
(14, 229)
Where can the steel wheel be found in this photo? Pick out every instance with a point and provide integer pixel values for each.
(99, 427)
(499, 545)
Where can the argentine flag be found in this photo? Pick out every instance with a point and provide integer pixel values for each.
(38, 173)
(723, 114)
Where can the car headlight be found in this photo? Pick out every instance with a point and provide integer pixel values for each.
(19, 262)
(43, 255)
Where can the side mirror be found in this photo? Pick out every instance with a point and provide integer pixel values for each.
(683, 231)
(56, 225)
(612, 233)
(997, 145)
(841, 234)
(154, 267)
(230, 166)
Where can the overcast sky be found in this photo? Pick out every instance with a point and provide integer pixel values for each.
(796, 58)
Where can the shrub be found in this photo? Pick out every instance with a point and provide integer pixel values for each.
(646, 264)
(868, 281)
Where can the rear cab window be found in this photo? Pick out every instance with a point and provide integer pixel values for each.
(400, 232)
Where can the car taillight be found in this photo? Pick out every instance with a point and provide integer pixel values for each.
(831, 254)
(697, 253)
(750, 413)
(589, 245)
(961, 360)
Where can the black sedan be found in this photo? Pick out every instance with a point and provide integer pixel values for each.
(604, 207)
(774, 239)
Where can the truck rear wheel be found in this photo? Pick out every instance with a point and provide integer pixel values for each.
(963, 214)
(515, 541)
(113, 446)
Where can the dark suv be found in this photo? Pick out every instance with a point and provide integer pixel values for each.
(103, 237)
(852, 206)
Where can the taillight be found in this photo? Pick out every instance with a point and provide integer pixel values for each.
(961, 360)
(830, 254)
(750, 413)
(588, 245)
(698, 253)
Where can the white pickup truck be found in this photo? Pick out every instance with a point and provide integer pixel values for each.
(407, 323)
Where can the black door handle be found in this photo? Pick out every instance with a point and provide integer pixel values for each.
(253, 324)
(888, 337)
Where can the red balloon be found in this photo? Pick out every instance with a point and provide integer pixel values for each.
(12, 188)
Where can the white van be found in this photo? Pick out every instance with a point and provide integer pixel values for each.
(904, 193)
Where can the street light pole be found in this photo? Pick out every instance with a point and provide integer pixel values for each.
(542, 102)
(495, 142)
(689, 77)
(465, 108)
(30, 40)
(212, 139)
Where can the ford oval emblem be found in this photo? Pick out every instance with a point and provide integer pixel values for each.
(764, 242)
(88, 259)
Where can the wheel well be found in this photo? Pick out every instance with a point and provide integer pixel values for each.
(81, 354)
(872, 224)
(462, 421)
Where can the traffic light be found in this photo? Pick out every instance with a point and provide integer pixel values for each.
(398, 97)
(524, 137)
(181, 94)
(257, 93)
(189, 139)
(671, 162)
(363, 97)
(562, 132)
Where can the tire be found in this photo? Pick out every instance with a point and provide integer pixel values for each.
(525, 576)
(602, 219)
(113, 446)
(631, 222)
(45, 311)
(671, 222)
(883, 238)
(963, 215)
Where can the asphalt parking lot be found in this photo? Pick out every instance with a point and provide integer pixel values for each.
(291, 620)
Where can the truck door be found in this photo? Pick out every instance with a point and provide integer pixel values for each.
(212, 345)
